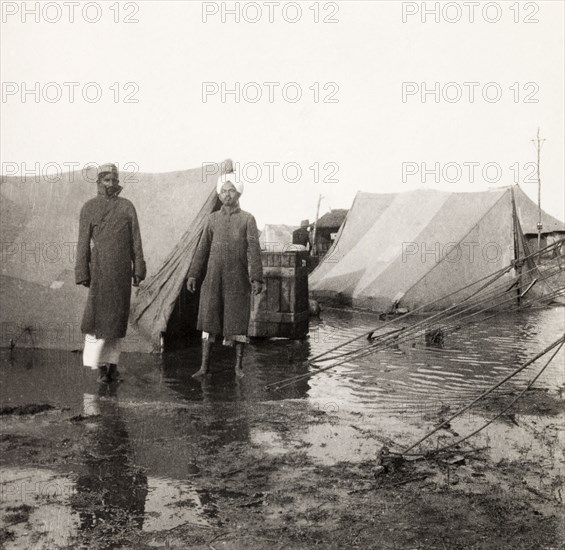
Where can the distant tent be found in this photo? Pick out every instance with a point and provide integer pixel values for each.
(410, 249)
(41, 304)
(276, 238)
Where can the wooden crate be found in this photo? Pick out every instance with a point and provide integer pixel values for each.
(282, 308)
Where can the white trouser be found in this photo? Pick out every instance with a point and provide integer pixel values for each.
(100, 351)
(228, 340)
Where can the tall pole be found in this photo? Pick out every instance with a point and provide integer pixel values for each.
(517, 252)
(538, 144)
(314, 243)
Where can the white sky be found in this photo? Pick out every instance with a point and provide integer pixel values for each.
(369, 133)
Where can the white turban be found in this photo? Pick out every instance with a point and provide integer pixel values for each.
(231, 178)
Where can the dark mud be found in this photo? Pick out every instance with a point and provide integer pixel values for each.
(32, 408)
(102, 483)
(164, 461)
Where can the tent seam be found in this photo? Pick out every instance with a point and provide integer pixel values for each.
(458, 243)
(341, 229)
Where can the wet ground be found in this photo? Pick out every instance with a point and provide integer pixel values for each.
(161, 460)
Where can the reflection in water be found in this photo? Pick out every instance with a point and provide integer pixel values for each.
(34, 376)
(264, 362)
(404, 379)
(224, 422)
(414, 378)
(230, 411)
(112, 490)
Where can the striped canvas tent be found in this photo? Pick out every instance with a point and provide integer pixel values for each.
(410, 249)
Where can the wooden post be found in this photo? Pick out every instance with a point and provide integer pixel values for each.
(538, 143)
(314, 243)
(517, 255)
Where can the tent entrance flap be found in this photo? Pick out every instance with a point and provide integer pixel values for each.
(181, 329)
(159, 295)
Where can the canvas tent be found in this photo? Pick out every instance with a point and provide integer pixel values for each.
(41, 304)
(409, 249)
(276, 238)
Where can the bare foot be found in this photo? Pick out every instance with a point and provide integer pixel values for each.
(239, 372)
(200, 373)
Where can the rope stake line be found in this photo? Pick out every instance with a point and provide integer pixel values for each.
(364, 352)
(494, 276)
(486, 298)
(409, 314)
(483, 298)
(410, 333)
(508, 407)
(559, 342)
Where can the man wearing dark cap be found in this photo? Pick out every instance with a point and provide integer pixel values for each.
(108, 269)
(301, 235)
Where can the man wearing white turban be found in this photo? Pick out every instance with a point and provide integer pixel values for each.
(228, 257)
(225, 178)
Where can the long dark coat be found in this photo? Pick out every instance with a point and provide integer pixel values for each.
(110, 222)
(230, 256)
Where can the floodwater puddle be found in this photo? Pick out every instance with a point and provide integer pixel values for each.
(272, 442)
(171, 503)
(35, 509)
(42, 509)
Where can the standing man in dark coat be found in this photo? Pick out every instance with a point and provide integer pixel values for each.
(108, 269)
(230, 257)
(301, 235)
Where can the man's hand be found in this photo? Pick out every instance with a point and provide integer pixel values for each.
(257, 287)
(191, 284)
(136, 281)
(85, 283)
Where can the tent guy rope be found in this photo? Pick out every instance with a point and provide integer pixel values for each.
(557, 343)
(423, 325)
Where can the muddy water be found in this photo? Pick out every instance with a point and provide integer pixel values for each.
(415, 377)
(403, 379)
(146, 442)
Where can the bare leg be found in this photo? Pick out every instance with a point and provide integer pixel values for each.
(205, 366)
(239, 347)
